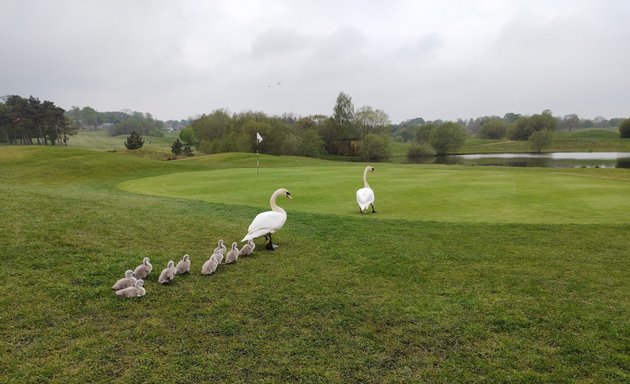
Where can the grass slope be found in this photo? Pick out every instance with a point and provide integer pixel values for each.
(584, 140)
(102, 141)
(346, 298)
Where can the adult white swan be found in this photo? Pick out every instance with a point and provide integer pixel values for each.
(365, 195)
(268, 222)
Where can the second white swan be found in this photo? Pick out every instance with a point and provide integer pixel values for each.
(365, 195)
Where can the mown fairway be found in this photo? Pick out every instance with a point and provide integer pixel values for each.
(453, 194)
(464, 274)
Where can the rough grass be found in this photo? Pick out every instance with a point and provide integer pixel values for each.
(345, 299)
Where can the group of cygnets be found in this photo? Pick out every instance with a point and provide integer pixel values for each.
(132, 285)
(264, 224)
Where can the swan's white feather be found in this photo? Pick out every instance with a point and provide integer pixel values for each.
(264, 223)
(365, 197)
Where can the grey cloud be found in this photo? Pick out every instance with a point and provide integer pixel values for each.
(279, 42)
(341, 42)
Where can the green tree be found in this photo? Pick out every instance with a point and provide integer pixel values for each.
(540, 140)
(447, 138)
(176, 148)
(369, 120)
(375, 147)
(188, 151)
(312, 144)
(523, 128)
(423, 133)
(543, 121)
(417, 151)
(343, 112)
(624, 129)
(520, 130)
(187, 135)
(209, 128)
(570, 121)
(134, 141)
(493, 129)
(28, 120)
(341, 129)
(90, 117)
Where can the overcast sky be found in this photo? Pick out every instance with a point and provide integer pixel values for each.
(434, 59)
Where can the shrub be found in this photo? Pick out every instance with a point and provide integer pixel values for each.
(416, 151)
(423, 133)
(493, 129)
(134, 141)
(176, 148)
(375, 147)
(624, 129)
(540, 140)
(188, 151)
(447, 138)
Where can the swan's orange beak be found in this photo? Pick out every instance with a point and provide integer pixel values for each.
(288, 195)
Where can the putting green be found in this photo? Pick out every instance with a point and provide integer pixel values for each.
(431, 193)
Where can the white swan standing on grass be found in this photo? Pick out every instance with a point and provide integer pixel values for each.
(365, 195)
(136, 290)
(268, 222)
(125, 282)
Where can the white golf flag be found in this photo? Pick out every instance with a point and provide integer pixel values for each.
(258, 138)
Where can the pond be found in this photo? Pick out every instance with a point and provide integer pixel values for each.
(550, 160)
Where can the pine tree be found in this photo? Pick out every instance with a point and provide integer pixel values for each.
(176, 148)
(188, 151)
(134, 141)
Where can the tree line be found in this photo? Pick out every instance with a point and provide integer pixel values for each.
(367, 133)
(117, 123)
(363, 133)
(31, 121)
(439, 137)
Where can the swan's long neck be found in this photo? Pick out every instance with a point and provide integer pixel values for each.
(272, 202)
(365, 183)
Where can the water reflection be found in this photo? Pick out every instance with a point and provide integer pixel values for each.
(549, 160)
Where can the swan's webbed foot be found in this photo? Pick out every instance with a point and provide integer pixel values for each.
(373, 211)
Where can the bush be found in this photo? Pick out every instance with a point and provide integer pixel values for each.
(176, 148)
(423, 133)
(188, 151)
(540, 140)
(493, 129)
(416, 151)
(312, 144)
(375, 147)
(523, 128)
(134, 141)
(624, 129)
(448, 138)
